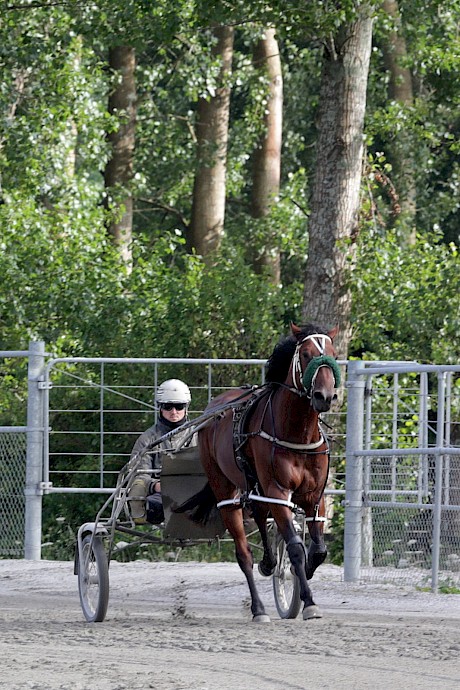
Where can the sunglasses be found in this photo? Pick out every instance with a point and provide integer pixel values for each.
(170, 406)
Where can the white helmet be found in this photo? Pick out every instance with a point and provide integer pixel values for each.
(173, 391)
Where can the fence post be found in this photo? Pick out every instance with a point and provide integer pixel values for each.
(354, 472)
(34, 456)
(438, 492)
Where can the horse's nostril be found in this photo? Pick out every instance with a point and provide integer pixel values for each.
(320, 402)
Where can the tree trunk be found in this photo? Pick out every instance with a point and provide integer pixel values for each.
(267, 157)
(70, 163)
(400, 90)
(208, 207)
(119, 169)
(333, 223)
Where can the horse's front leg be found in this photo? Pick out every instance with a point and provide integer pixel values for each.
(233, 521)
(317, 551)
(298, 557)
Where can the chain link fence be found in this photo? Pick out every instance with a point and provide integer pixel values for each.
(12, 499)
(398, 539)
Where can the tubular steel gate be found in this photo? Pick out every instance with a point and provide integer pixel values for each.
(400, 484)
(402, 507)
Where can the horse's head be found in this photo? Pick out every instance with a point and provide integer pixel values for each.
(314, 367)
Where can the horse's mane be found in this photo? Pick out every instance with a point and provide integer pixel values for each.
(280, 359)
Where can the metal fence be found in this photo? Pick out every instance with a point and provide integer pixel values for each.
(402, 519)
(21, 452)
(95, 408)
(398, 427)
(12, 498)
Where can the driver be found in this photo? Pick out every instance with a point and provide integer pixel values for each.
(173, 399)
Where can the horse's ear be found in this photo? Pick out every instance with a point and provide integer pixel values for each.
(295, 330)
(332, 334)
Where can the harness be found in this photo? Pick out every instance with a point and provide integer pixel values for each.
(242, 412)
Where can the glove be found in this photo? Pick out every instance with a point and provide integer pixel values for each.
(155, 487)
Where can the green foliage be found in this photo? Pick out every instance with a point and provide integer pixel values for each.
(62, 281)
(427, 130)
(448, 588)
(335, 538)
(58, 540)
(57, 275)
(414, 302)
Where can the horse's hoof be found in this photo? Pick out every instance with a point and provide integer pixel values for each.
(261, 618)
(310, 612)
(264, 571)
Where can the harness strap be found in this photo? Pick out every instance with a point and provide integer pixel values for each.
(294, 446)
(240, 413)
(316, 517)
(240, 500)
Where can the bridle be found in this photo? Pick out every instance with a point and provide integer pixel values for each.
(304, 388)
(304, 382)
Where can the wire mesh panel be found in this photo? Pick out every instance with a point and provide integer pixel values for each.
(97, 409)
(12, 500)
(398, 546)
(411, 493)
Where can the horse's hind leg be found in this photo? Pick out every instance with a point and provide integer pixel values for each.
(268, 563)
(223, 489)
(233, 521)
(317, 551)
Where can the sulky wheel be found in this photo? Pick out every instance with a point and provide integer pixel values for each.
(93, 579)
(286, 586)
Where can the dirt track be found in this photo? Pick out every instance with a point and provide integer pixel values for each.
(186, 626)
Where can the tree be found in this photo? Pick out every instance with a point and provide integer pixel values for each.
(119, 168)
(208, 208)
(58, 280)
(416, 49)
(266, 165)
(400, 91)
(334, 219)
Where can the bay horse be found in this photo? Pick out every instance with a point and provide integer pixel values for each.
(269, 450)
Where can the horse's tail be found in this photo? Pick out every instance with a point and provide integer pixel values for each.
(203, 506)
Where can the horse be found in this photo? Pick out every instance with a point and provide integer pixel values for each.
(265, 448)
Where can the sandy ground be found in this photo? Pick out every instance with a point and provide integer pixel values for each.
(186, 626)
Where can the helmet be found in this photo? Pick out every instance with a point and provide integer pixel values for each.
(173, 391)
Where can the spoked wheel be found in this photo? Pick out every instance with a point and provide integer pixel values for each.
(286, 586)
(93, 579)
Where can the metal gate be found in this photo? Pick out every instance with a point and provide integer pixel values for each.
(400, 481)
(402, 507)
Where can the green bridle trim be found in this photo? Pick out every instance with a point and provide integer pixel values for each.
(315, 364)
